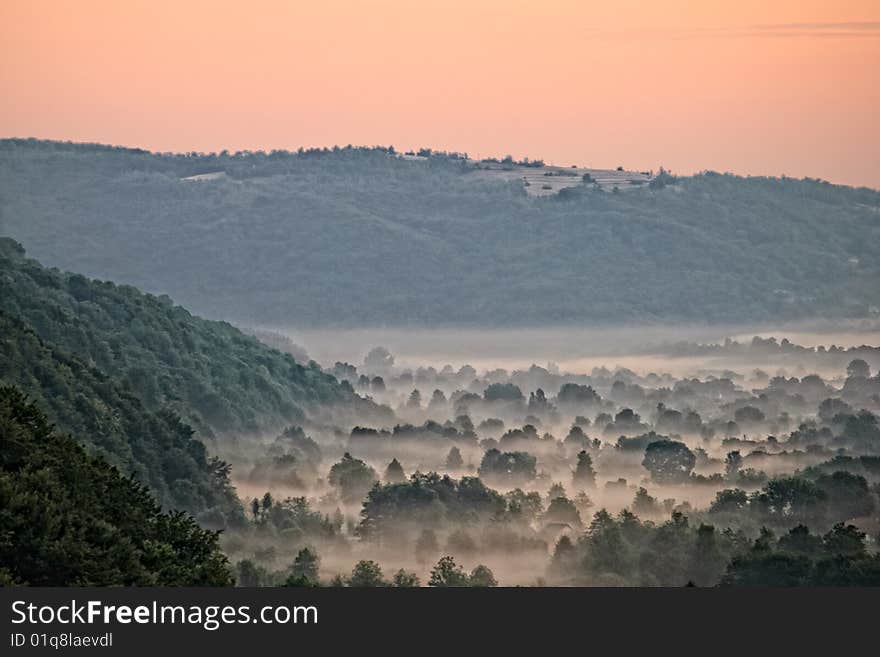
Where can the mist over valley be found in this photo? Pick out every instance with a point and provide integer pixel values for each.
(356, 367)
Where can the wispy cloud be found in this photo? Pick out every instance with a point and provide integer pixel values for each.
(817, 30)
(865, 26)
(858, 29)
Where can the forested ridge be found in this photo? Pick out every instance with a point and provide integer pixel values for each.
(103, 480)
(142, 383)
(217, 379)
(70, 519)
(111, 422)
(360, 236)
(115, 402)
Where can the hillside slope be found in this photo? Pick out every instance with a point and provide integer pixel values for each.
(364, 237)
(68, 519)
(106, 417)
(217, 379)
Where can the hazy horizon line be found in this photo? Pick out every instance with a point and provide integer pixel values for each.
(479, 158)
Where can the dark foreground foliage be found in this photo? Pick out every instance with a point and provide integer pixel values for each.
(626, 551)
(215, 377)
(111, 422)
(799, 558)
(69, 519)
(131, 376)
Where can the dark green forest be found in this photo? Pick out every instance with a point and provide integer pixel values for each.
(217, 379)
(143, 383)
(103, 479)
(70, 519)
(115, 403)
(154, 446)
(359, 236)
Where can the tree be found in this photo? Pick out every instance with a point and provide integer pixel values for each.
(844, 540)
(644, 505)
(858, 368)
(267, 502)
(538, 402)
(526, 506)
(862, 431)
(342, 371)
(793, 498)
(732, 464)
(503, 392)
(576, 438)
(799, 540)
(448, 574)
(848, 495)
(729, 501)
(575, 395)
(394, 473)
(669, 461)
(584, 474)
(748, 415)
(839, 558)
(707, 560)
(426, 500)
(454, 462)
(304, 570)
(608, 551)
(564, 556)
(378, 359)
(352, 477)
(366, 574)
(482, 576)
(562, 510)
(249, 574)
(438, 399)
(762, 568)
(415, 399)
(556, 490)
(510, 468)
(627, 420)
(833, 406)
(427, 546)
(583, 503)
(404, 579)
(662, 179)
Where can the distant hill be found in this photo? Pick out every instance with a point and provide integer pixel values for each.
(361, 237)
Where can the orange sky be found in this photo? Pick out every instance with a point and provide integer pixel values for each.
(770, 87)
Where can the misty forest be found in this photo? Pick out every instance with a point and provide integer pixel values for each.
(292, 369)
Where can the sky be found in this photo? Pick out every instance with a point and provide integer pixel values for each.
(752, 87)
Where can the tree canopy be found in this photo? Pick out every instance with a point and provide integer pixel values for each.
(96, 527)
(216, 378)
(384, 240)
